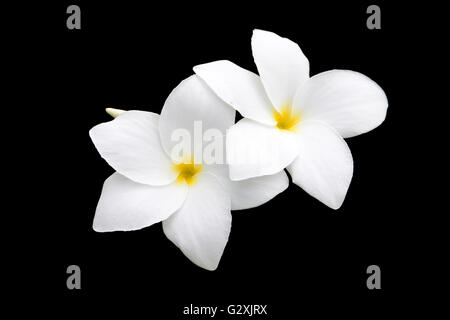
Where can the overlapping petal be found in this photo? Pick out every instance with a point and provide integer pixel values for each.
(282, 66)
(324, 166)
(239, 88)
(126, 205)
(131, 145)
(348, 101)
(254, 149)
(190, 102)
(202, 226)
(253, 192)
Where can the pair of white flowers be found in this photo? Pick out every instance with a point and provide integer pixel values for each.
(306, 118)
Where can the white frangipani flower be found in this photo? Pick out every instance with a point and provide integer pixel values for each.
(192, 199)
(292, 120)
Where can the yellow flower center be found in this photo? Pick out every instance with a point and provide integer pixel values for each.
(286, 119)
(187, 171)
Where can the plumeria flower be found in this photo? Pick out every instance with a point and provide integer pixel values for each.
(293, 120)
(191, 198)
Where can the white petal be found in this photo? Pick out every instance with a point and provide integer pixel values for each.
(254, 149)
(202, 226)
(192, 100)
(239, 88)
(253, 192)
(324, 167)
(250, 193)
(348, 101)
(131, 145)
(127, 205)
(282, 66)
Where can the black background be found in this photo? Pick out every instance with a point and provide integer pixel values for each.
(293, 253)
